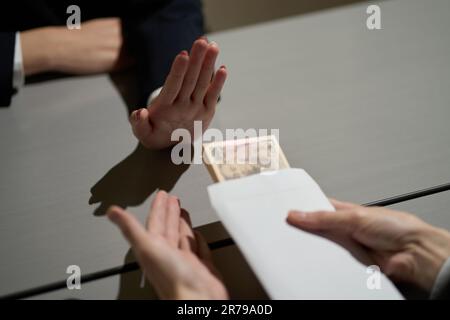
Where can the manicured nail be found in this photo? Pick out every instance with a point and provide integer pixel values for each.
(184, 53)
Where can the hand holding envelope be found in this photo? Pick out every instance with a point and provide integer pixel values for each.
(318, 251)
(290, 264)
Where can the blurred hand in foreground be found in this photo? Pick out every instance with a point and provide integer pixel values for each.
(175, 259)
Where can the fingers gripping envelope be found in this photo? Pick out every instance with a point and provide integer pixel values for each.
(255, 191)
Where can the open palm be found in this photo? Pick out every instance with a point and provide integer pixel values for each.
(189, 94)
(175, 259)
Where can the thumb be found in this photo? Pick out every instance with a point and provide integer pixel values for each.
(343, 221)
(140, 124)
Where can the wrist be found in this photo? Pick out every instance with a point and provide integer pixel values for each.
(53, 53)
(430, 251)
(182, 292)
(38, 50)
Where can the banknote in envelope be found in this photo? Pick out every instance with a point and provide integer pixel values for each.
(232, 159)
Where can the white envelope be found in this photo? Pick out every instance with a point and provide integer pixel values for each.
(290, 263)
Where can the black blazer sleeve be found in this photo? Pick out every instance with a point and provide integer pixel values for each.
(7, 43)
(160, 37)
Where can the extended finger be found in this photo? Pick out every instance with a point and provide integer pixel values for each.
(175, 78)
(131, 228)
(197, 56)
(206, 72)
(156, 222)
(173, 221)
(343, 221)
(215, 88)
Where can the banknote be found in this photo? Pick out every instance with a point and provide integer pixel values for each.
(232, 159)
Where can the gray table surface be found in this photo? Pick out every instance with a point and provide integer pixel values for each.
(364, 112)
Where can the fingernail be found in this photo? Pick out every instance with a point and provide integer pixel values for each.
(203, 38)
(223, 67)
(133, 116)
(138, 114)
(300, 214)
(177, 199)
(213, 44)
(184, 53)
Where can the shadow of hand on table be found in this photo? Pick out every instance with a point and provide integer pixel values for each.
(134, 179)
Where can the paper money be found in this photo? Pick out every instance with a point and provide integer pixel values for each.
(232, 159)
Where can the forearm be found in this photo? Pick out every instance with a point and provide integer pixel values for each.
(430, 251)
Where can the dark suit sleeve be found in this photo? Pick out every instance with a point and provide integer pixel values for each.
(7, 42)
(160, 37)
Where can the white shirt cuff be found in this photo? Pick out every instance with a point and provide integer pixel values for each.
(18, 74)
(153, 96)
(441, 285)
